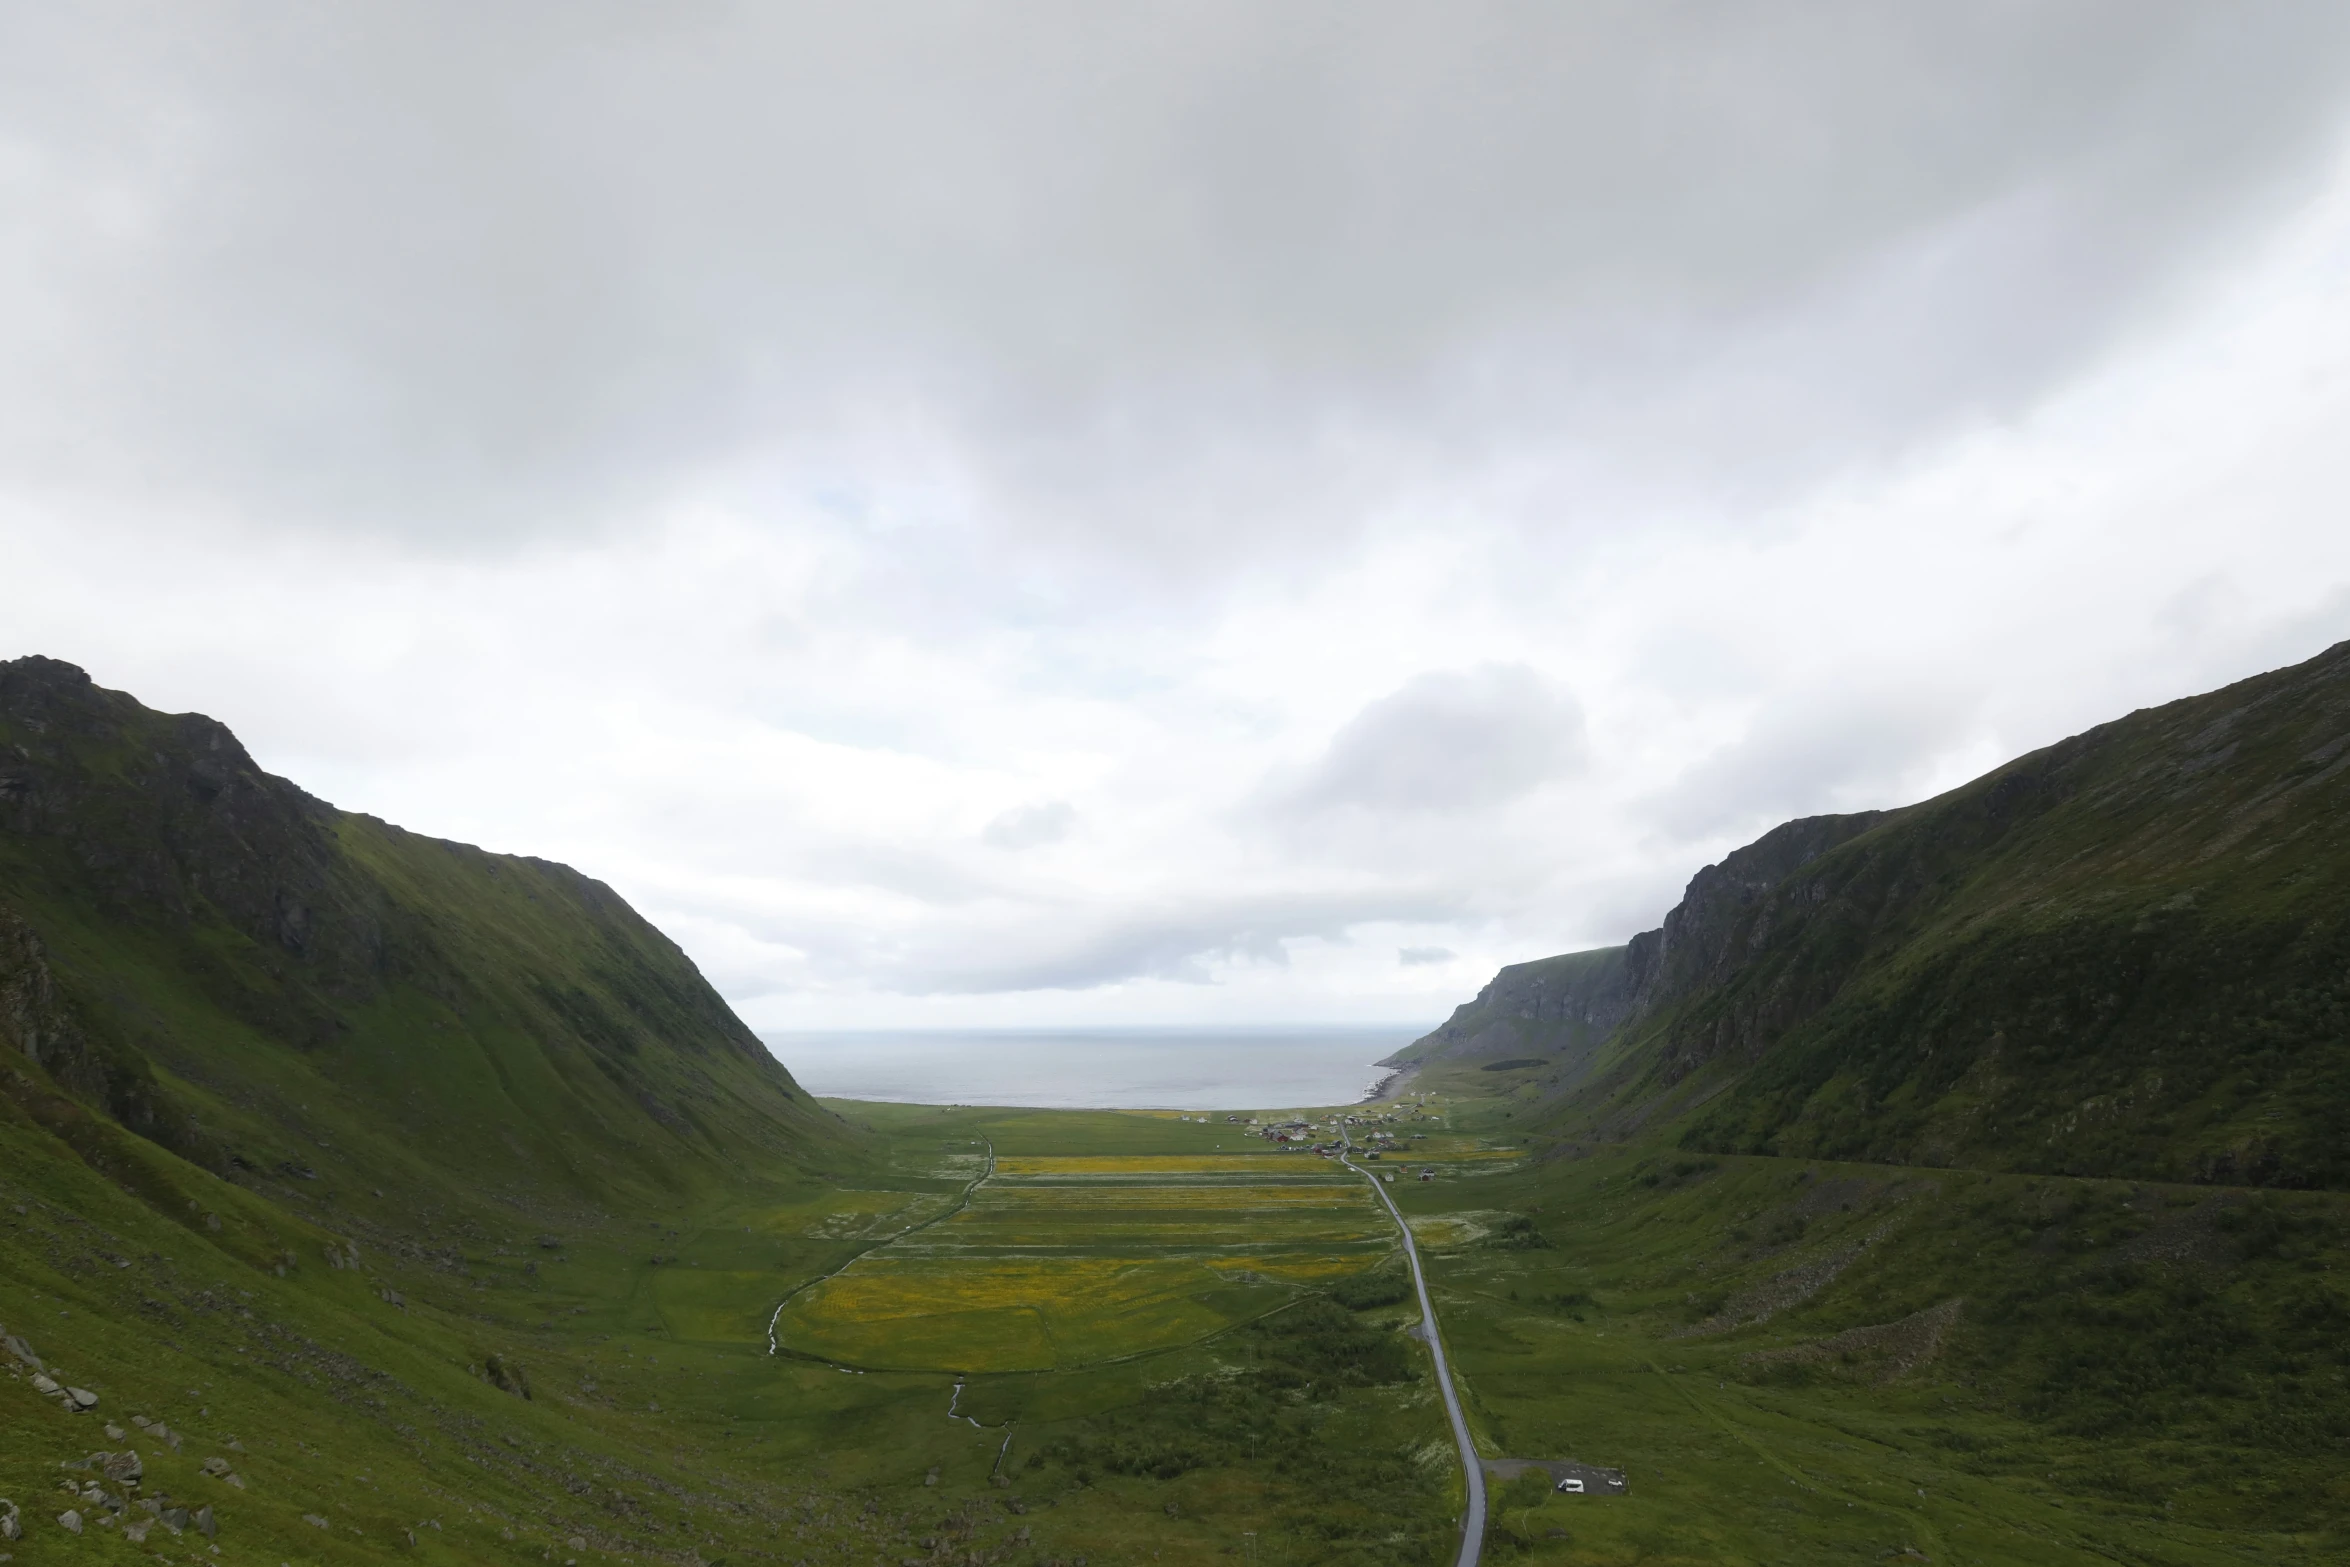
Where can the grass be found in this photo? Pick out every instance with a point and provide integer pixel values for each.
(655, 1421)
(2132, 1372)
(1057, 1262)
(1809, 1361)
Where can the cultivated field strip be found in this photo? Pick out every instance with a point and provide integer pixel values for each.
(1057, 1263)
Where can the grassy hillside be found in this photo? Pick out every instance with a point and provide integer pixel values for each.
(321, 1006)
(602, 1390)
(1801, 1361)
(350, 1144)
(2127, 954)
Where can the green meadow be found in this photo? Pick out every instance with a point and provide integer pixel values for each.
(1161, 1341)
(1130, 1324)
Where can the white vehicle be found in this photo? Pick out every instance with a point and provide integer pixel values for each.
(1571, 1485)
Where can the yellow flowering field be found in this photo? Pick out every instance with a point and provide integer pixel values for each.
(1057, 1274)
(1161, 1166)
(1159, 1219)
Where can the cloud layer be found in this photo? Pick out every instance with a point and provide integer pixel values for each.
(1168, 512)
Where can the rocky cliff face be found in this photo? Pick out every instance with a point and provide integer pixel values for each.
(34, 1020)
(1565, 1005)
(1728, 910)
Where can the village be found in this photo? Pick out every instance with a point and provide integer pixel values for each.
(1330, 1138)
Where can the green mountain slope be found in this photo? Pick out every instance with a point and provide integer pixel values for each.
(2126, 954)
(316, 1003)
(432, 1193)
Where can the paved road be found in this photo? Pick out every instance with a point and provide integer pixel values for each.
(1473, 1526)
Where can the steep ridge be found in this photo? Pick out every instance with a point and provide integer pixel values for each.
(313, 1002)
(2125, 954)
(1556, 1012)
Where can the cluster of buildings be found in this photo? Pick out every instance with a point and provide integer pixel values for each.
(1328, 1138)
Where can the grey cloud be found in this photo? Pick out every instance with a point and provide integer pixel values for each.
(1169, 278)
(920, 323)
(1823, 752)
(1030, 826)
(1446, 741)
(1415, 957)
(1182, 943)
(2322, 625)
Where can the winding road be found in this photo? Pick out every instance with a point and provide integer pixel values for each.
(1473, 1471)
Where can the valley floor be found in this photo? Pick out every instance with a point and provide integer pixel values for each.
(1124, 1337)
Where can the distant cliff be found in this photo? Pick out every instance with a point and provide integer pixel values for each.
(1553, 1008)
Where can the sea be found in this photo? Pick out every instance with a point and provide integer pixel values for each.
(1100, 1068)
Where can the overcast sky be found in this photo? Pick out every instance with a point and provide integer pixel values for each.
(1050, 513)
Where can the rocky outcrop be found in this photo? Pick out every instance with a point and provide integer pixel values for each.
(1709, 935)
(40, 1022)
(34, 1019)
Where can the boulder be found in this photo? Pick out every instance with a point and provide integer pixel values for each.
(175, 1519)
(43, 1385)
(82, 1397)
(70, 1521)
(214, 1466)
(205, 1524)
